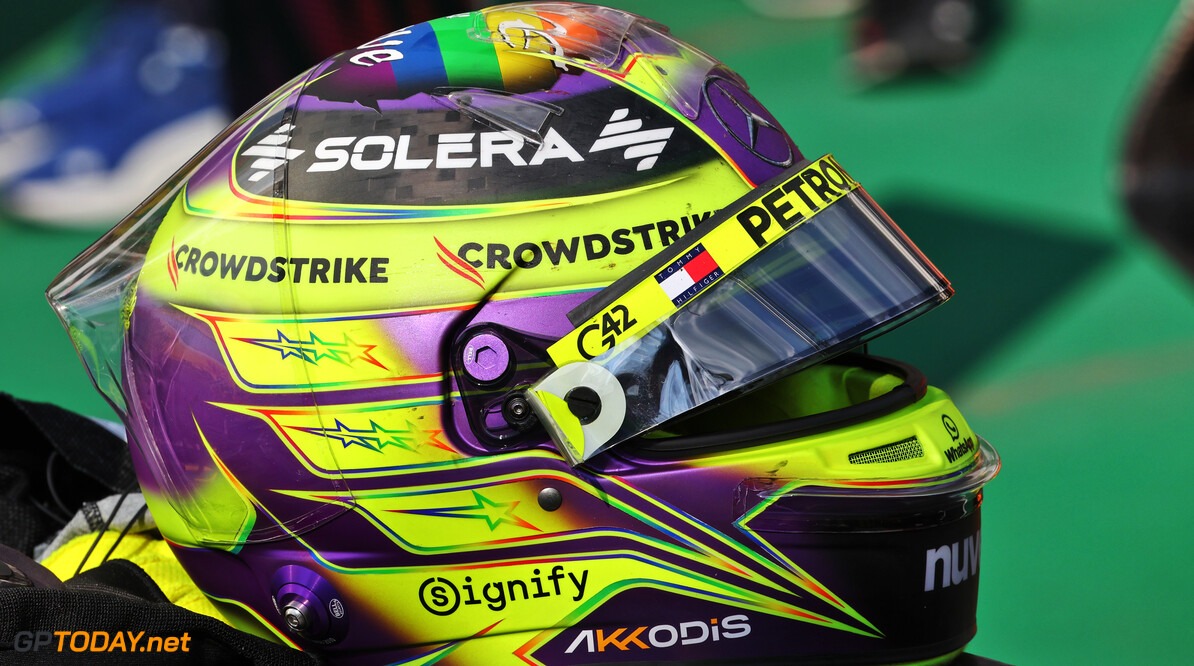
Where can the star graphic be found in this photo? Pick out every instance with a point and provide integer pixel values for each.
(315, 348)
(321, 349)
(493, 513)
(358, 351)
(376, 437)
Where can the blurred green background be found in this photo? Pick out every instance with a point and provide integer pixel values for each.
(1069, 345)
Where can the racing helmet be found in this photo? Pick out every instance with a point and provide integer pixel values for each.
(521, 336)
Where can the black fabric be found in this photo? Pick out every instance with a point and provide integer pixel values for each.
(116, 598)
(22, 525)
(86, 445)
(53, 461)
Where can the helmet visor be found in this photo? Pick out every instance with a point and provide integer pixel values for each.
(803, 268)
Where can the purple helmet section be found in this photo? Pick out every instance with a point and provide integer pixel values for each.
(744, 129)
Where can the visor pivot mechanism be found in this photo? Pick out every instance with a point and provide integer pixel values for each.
(487, 359)
(518, 413)
(584, 403)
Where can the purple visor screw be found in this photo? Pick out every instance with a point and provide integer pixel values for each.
(486, 358)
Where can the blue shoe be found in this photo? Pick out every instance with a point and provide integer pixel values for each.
(88, 147)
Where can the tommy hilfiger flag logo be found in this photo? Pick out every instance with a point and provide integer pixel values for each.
(689, 275)
(643, 145)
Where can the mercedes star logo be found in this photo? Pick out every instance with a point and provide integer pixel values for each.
(749, 127)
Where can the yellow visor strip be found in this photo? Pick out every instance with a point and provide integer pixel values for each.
(737, 233)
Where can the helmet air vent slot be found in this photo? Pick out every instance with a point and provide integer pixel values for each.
(905, 449)
(524, 117)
